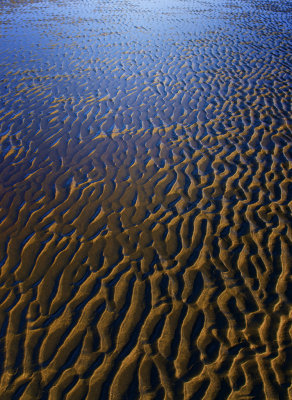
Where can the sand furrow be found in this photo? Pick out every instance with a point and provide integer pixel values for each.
(145, 200)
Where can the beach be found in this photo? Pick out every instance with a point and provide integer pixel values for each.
(145, 200)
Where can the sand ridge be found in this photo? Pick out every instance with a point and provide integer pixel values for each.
(145, 201)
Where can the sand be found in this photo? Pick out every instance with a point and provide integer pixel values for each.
(145, 200)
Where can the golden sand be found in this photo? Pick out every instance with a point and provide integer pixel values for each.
(145, 200)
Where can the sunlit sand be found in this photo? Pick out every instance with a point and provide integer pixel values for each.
(145, 200)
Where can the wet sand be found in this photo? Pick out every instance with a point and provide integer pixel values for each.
(145, 200)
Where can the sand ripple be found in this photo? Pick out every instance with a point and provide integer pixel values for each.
(145, 200)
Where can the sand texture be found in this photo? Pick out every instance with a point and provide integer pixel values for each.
(145, 200)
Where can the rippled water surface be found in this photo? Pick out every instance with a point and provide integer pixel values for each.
(145, 199)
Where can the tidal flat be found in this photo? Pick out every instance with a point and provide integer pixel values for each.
(145, 199)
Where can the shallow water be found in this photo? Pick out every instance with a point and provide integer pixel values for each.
(145, 199)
